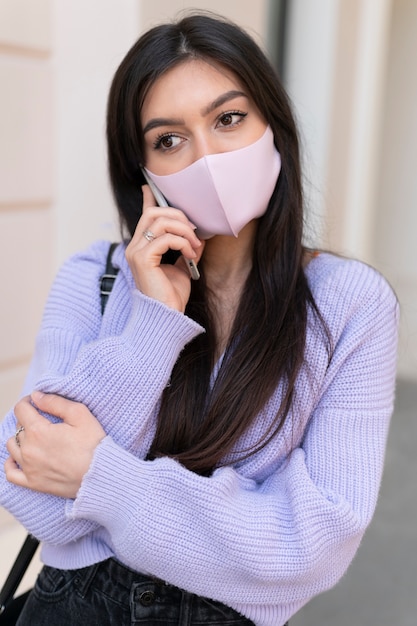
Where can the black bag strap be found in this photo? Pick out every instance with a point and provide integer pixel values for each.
(30, 544)
(17, 571)
(108, 278)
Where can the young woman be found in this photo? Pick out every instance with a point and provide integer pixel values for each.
(207, 451)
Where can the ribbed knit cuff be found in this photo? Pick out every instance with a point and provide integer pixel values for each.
(156, 329)
(104, 492)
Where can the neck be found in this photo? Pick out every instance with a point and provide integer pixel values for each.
(227, 261)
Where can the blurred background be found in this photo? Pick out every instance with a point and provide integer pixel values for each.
(349, 67)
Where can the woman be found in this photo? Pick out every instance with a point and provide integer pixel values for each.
(207, 451)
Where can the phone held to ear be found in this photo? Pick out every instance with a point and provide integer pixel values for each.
(192, 267)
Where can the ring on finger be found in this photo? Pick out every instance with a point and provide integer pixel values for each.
(149, 236)
(17, 433)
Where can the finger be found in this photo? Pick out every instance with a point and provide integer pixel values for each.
(66, 410)
(168, 241)
(147, 223)
(166, 224)
(14, 474)
(199, 251)
(13, 448)
(169, 234)
(153, 214)
(152, 209)
(26, 414)
(183, 260)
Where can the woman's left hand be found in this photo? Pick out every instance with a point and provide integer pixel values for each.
(47, 457)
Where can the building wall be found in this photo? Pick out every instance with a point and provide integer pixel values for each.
(310, 68)
(251, 15)
(91, 38)
(396, 200)
(27, 110)
(337, 55)
(355, 92)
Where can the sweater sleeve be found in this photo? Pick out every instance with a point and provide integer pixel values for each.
(119, 377)
(262, 546)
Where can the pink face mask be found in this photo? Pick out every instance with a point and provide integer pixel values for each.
(221, 193)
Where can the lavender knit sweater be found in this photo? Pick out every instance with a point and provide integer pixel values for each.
(263, 535)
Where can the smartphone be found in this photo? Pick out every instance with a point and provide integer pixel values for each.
(161, 201)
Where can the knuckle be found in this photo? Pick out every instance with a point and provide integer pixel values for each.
(18, 405)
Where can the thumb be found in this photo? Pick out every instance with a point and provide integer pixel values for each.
(199, 251)
(66, 410)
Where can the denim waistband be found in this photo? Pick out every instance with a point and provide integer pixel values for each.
(110, 593)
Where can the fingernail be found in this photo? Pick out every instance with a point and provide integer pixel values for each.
(37, 395)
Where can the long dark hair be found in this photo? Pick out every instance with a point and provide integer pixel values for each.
(197, 424)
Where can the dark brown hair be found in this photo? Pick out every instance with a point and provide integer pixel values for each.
(199, 425)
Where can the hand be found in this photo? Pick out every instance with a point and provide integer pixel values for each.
(52, 458)
(169, 284)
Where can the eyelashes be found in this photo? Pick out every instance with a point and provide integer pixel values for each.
(229, 115)
(165, 141)
(169, 140)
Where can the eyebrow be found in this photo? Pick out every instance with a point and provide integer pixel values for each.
(224, 97)
(172, 121)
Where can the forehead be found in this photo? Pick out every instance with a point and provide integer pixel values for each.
(191, 83)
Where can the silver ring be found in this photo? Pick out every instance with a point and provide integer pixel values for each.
(17, 433)
(149, 236)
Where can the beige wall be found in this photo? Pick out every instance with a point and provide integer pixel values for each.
(91, 38)
(26, 181)
(310, 69)
(354, 88)
(251, 15)
(361, 53)
(396, 226)
(336, 69)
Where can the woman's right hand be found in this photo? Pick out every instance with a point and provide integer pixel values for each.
(170, 284)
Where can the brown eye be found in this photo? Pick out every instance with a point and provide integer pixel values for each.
(232, 118)
(227, 119)
(166, 142)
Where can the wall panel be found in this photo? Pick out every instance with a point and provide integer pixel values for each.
(26, 130)
(26, 25)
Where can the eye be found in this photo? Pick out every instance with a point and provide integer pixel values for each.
(166, 142)
(231, 118)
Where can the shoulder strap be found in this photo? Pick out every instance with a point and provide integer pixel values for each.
(17, 571)
(108, 278)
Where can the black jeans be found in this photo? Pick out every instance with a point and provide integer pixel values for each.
(110, 594)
